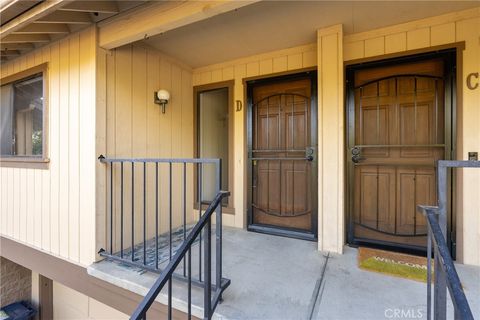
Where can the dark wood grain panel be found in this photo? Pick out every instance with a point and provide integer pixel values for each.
(400, 109)
(281, 188)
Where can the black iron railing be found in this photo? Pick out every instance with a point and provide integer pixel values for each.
(140, 200)
(209, 302)
(446, 275)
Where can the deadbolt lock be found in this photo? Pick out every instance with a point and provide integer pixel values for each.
(356, 157)
(473, 156)
(309, 153)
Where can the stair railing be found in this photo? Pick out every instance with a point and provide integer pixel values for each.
(446, 275)
(136, 192)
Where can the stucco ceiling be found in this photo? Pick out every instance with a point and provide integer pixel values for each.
(273, 25)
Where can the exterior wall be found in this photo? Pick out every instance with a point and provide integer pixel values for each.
(331, 220)
(35, 297)
(408, 38)
(271, 63)
(71, 304)
(463, 26)
(130, 124)
(53, 209)
(15, 282)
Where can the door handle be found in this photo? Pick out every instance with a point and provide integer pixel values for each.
(309, 151)
(356, 156)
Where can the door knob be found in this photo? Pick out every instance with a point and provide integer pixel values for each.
(309, 152)
(356, 157)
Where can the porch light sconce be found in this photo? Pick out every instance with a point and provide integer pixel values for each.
(161, 97)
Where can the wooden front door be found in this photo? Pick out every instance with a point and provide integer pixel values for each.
(282, 155)
(397, 122)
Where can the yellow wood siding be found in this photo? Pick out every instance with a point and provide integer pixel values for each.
(135, 127)
(463, 26)
(54, 209)
(374, 44)
(331, 221)
(259, 65)
(71, 304)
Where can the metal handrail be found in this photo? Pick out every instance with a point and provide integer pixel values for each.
(122, 186)
(370, 146)
(166, 275)
(445, 271)
(155, 160)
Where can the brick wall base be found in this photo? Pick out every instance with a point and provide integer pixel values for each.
(15, 282)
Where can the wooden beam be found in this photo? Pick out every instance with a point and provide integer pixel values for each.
(92, 6)
(15, 5)
(51, 28)
(45, 286)
(158, 17)
(11, 9)
(9, 53)
(5, 4)
(33, 14)
(66, 17)
(16, 46)
(26, 38)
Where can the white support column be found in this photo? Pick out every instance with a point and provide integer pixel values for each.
(331, 222)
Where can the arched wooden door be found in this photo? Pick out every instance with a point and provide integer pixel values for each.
(282, 157)
(397, 134)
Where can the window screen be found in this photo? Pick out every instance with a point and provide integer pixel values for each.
(21, 117)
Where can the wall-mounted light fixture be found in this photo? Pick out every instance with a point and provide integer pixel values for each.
(161, 97)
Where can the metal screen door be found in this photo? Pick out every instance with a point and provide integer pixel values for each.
(282, 155)
(399, 134)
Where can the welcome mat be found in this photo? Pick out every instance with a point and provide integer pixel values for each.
(392, 263)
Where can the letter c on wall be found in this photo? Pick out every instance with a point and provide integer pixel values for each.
(471, 83)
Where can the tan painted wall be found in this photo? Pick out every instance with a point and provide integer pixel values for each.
(331, 199)
(374, 44)
(463, 26)
(71, 304)
(54, 209)
(130, 124)
(59, 214)
(258, 65)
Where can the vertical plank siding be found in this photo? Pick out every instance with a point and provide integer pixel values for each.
(135, 127)
(462, 26)
(53, 208)
(56, 209)
(421, 34)
(265, 65)
(330, 139)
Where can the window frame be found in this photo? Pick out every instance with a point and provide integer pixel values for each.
(34, 161)
(197, 90)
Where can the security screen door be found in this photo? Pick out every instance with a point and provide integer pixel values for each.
(398, 123)
(281, 155)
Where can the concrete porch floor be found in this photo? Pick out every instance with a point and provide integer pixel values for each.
(275, 278)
